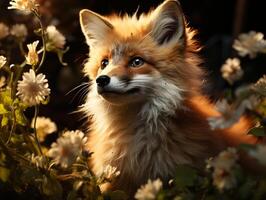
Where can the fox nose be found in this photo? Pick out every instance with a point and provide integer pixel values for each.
(103, 80)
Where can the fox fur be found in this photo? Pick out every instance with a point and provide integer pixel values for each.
(145, 134)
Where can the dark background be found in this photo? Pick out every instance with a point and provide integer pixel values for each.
(218, 22)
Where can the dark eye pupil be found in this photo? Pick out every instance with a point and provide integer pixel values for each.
(137, 62)
(104, 63)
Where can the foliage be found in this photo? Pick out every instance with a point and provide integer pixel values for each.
(25, 162)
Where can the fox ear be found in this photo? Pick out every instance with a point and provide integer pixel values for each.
(168, 23)
(94, 26)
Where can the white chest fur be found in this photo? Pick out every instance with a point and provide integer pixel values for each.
(141, 143)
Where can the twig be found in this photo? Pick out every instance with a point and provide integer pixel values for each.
(36, 111)
(13, 124)
(43, 40)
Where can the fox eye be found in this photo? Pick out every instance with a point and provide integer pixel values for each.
(104, 63)
(136, 62)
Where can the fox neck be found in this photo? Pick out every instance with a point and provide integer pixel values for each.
(144, 134)
(130, 131)
(151, 114)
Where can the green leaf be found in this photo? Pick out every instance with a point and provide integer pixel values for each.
(46, 101)
(246, 147)
(228, 94)
(72, 195)
(185, 176)
(20, 118)
(4, 174)
(260, 191)
(4, 121)
(2, 109)
(258, 132)
(262, 108)
(20, 104)
(5, 97)
(51, 187)
(118, 195)
(162, 195)
(246, 189)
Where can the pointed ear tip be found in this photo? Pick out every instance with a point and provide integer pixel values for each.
(84, 16)
(178, 2)
(171, 2)
(83, 12)
(172, 5)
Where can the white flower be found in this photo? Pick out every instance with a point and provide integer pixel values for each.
(260, 86)
(32, 58)
(23, 5)
(55, 38)
(225, 160)
(259, 154)
(231, 70)
(230, 114)
(110, 172)
(19, 31)
(223, 179)
(2, 81)
(223, 165)
(33, 89)
(2, 61)
(4, 31)
(67, 148)
(149, 191)
(44, 126)
(250, 103)
(223, 106)
(250, 44)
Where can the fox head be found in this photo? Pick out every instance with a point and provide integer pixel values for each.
(134, 58)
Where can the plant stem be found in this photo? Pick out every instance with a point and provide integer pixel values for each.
(11, 80)
(12, 85)
(15, 79)
(13, 124)
(22, 49)
(36, 111)
(43, 41)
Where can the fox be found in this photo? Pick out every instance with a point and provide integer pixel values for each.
(146, 107)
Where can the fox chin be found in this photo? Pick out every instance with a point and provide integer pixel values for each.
(146, 108)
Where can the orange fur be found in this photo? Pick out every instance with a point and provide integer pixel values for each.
(148, 133)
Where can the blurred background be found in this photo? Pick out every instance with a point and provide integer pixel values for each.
(218, 23)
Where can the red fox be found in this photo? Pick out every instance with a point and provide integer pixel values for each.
(147, 111)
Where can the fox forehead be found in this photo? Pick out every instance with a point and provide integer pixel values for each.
(127, 26)
(129, 37)
(120, 57)
(128, 48)
(119, 52)
(126, 29)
